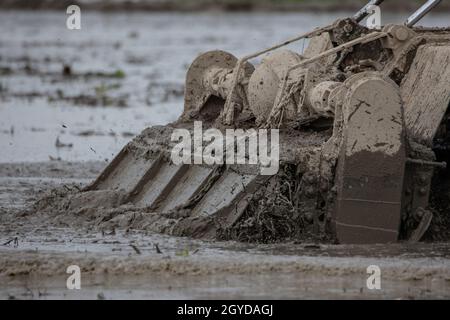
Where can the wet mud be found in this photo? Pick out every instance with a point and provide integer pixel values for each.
(88, 107)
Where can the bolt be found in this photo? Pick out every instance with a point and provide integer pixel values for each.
(348, 28)
(401, 34)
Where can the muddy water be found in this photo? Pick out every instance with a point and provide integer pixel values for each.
(124, 72)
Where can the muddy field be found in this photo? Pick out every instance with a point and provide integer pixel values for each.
(70, 100)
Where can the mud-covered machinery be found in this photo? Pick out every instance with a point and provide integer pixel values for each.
(363, 123)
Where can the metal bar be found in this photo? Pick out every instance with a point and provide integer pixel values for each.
(364, 12)
(442, 165)
(423, 10)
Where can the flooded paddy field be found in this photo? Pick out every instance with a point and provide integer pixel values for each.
(132, 264)
(70, 100)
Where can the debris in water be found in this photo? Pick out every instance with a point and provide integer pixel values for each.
(127, 134)
(157, 248)
(59, 144)
(14, 240)
(135, 248)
